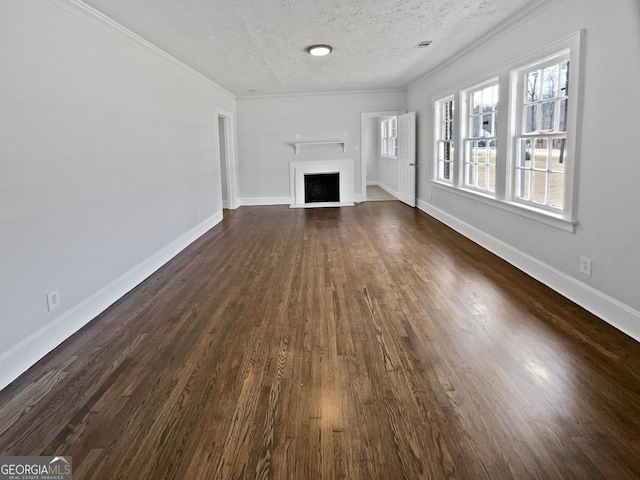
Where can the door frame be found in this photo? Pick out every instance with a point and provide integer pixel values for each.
(364, 135)
(230, 158)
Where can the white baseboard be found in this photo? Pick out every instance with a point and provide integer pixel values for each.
(18, 359)
(389, 190)
(256, 201)
(612, 311)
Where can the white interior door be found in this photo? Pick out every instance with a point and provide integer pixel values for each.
(407, 158)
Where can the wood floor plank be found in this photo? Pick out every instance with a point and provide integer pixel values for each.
(345, 343)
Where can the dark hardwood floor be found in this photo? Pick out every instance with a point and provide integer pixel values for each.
(369, 342)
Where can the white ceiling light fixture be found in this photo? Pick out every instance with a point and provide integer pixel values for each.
(319, 50)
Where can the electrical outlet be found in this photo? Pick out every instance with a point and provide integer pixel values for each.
(585, 265)
(53, 299)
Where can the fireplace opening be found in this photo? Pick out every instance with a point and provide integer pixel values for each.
(322, 187)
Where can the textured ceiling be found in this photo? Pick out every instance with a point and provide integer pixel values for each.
(257, 47)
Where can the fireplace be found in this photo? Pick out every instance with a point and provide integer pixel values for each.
(322, 187)
(323, 183)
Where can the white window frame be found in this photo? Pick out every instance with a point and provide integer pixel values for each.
(468, 161)
(519, 133)
(445, 139)
(509, 116)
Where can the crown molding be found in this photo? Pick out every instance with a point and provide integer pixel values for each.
(324, 93)
(93, 17)
(524, 15)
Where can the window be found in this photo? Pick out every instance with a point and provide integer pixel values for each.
(481, 138)
(445, 110)
(523, 159)
(389, 137)
(541, 134)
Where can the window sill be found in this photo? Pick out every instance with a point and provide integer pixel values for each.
(531, 213)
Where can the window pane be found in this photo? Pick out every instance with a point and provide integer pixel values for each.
(562, 127)
(541, 154)
(558, 155)
(539, 188)
(446, 172)
(447, 120)
(548, 111)
(474, 127)
(487, 99)
(531, 118)
(524, 183)
(564, 78)
(549, 82)
(532, 87)
(473, 152)
(487, 125)
(470, 174)
(481, 150)
(443, 151)
(556, 193)
(526, 153)
(476, 101)
(491, 152)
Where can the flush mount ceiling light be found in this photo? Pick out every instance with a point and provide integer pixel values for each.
(319, 50)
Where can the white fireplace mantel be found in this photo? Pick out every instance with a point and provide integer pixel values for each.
(297, 171)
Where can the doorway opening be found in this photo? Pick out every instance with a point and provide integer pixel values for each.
(227, 157)
(388, 171)
(222, 148)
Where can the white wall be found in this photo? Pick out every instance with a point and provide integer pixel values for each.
(268, 126)
(608, 168)
(108, 168)
(388, 174)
